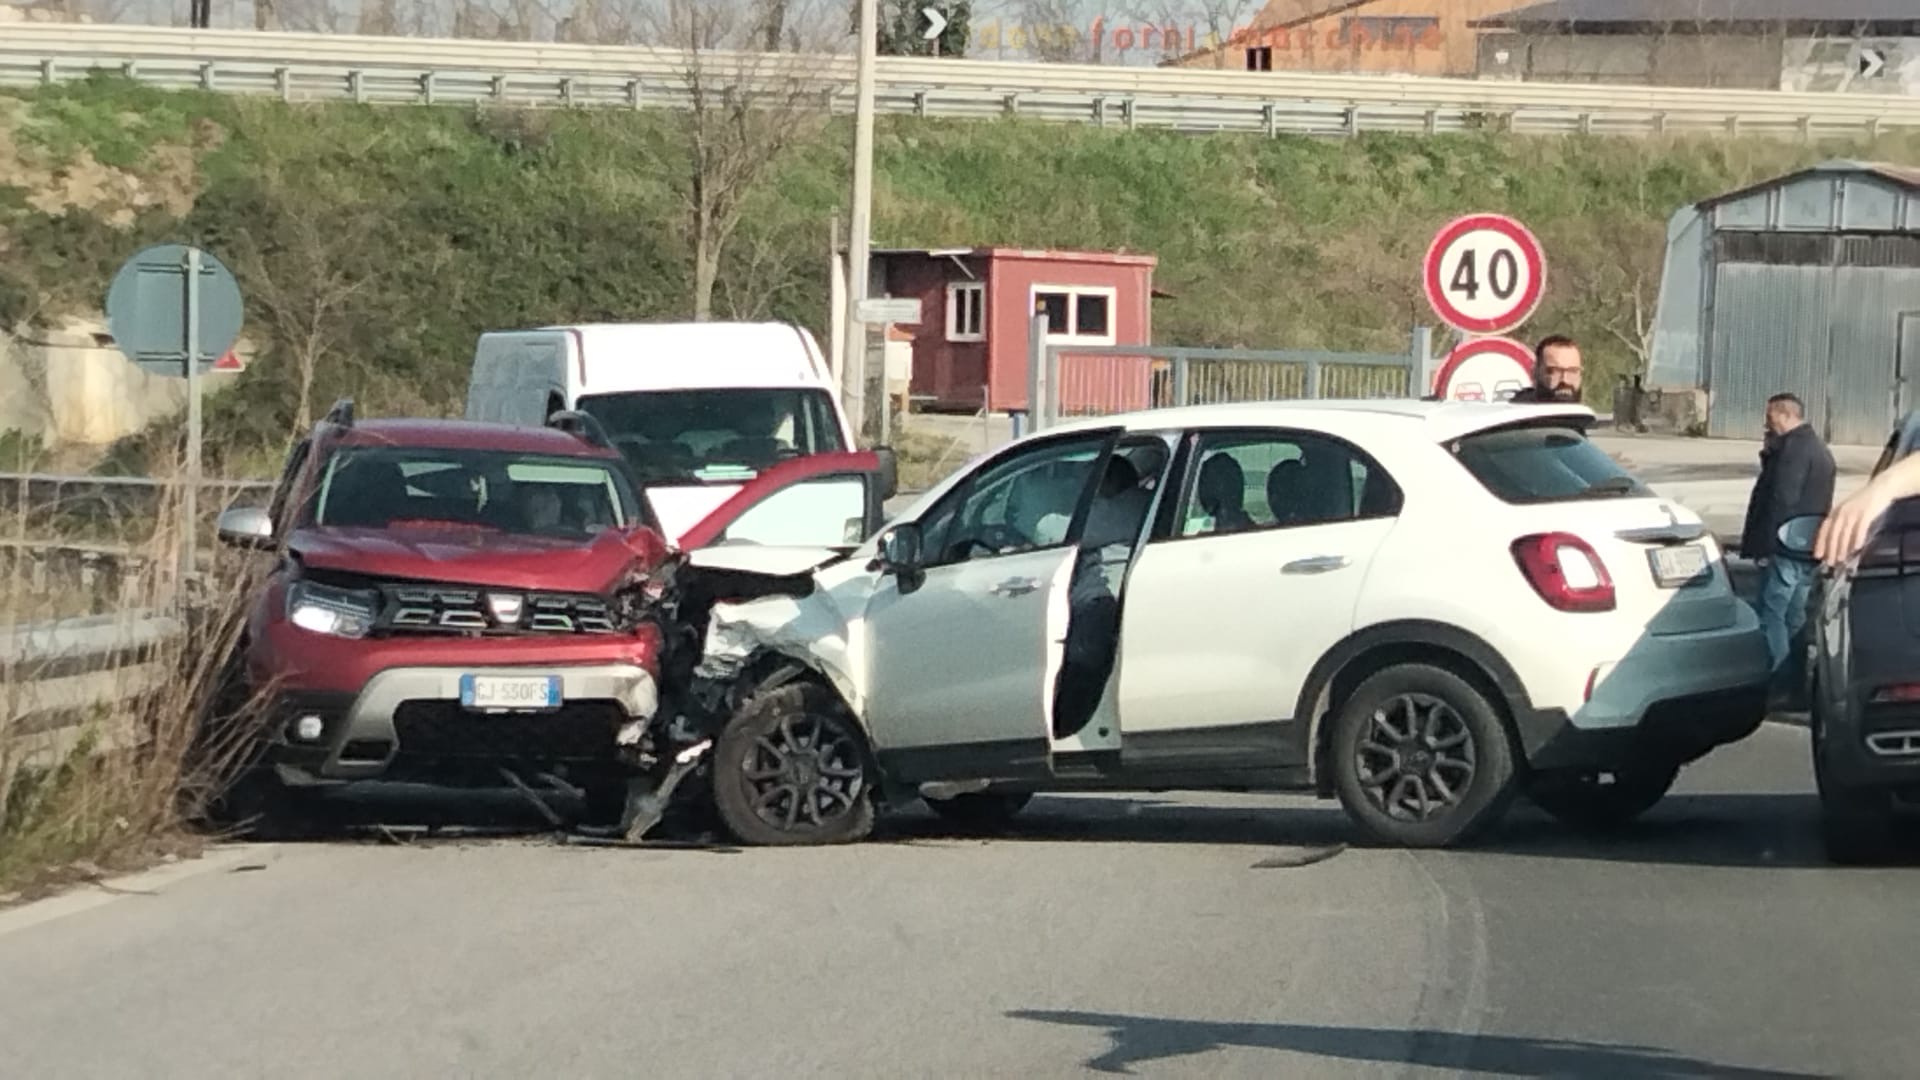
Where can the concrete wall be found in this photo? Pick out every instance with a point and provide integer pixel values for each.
(1734, 61)
(66, 387)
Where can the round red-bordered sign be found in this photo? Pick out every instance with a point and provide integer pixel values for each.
(1484, 273)
(1484, 369)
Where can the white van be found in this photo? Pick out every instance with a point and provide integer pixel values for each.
(697, 408)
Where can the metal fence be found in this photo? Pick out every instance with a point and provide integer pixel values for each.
(1084, 380)
(401, 70)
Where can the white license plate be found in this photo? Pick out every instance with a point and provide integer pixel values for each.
(1674, 567)
(510, 692)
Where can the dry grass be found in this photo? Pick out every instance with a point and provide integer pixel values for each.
(926, 458)
(103, 757)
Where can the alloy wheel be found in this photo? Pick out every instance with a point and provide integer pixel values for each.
(805, 773)
(1417, 758)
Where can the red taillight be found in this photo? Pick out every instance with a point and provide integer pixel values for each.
(1897, 694)
(1565, 571)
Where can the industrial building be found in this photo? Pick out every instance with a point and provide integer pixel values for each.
(1854, 46)
(1809, 284)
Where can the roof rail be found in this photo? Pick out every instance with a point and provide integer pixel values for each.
(341, 413)
(581, 426)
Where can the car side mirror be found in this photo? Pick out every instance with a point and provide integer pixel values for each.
(899, 548)
(889, 472)
(1795, 537)
(246, 527)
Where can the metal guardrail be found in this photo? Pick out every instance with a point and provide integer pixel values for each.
(401, 70)
(56, 675)
(1071, 380)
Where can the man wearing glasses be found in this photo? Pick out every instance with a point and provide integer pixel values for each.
(1556, 372)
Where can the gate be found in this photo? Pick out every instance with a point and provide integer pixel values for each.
(1099, 380)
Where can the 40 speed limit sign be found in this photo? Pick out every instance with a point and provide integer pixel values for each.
(1484, 274)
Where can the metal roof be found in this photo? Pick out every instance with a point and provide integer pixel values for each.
(1907, 176)
(1620, 14)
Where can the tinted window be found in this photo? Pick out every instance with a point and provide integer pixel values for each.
(1543, 464)
(715, 436)
(1022, 503)
(382, 487)
(1267, 480)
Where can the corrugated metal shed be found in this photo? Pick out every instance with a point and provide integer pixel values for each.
(1807, 283)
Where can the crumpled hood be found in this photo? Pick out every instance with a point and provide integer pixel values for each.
(479, 557)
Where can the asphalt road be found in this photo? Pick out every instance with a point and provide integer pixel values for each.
(1172, 936)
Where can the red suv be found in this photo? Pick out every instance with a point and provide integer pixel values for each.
(473, 604)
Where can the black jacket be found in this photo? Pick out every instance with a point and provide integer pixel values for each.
(1796, 478)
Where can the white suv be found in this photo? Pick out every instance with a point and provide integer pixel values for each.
(1422, 608)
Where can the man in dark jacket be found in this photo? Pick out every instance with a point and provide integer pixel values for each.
(1556, 372)
(1796, 479)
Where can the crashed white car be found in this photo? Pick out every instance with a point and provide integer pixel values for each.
(1422, 608)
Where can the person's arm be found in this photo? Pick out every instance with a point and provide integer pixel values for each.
(1846, 529)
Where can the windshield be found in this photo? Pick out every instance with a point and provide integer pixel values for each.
(715, 436)
(1546, 463)
(536, 494)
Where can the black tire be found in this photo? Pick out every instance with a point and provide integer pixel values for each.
(1592, 799)
(981, 809)
(792, 768)
(257, 806)
(1420, 758)
(1856, 826)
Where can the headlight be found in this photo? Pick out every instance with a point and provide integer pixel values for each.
(323, 609)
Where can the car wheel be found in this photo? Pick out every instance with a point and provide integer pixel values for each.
(981, 809)
(791, 767)
(257, 806)
(1420, 757)
(1591, 799)
(1856, 826)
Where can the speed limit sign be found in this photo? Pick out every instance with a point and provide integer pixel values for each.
(1484, 274)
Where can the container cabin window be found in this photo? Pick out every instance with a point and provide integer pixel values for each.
(967, 311)
(1083, 315)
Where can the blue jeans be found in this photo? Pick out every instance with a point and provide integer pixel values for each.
(1782, 607)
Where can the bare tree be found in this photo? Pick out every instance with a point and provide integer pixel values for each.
(743, 112)
(1175, 28)
(302, 270)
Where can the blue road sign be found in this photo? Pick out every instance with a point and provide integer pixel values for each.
(147, 310)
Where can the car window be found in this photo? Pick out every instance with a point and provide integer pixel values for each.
(1543, 463)
(1265, 480)
(535, 494)
(1021, 503)
(726, 435)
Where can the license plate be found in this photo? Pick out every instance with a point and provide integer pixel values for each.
(1677, 567)
(510, 692)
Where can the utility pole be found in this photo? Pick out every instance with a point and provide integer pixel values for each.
(859, 231)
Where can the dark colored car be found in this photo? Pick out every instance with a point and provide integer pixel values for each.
(475, 604)
(1863, 674)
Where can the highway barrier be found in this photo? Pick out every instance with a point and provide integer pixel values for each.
(405, 70)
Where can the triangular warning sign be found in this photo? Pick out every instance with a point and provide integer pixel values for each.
(229, 362)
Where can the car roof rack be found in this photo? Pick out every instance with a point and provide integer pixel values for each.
(341, 413)
(581, 426)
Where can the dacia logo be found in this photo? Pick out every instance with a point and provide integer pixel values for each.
(506, 607)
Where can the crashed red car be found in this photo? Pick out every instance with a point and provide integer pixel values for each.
(474, 604)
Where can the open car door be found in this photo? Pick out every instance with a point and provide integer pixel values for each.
(817, 501)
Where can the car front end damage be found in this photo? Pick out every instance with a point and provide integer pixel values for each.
(369, 677)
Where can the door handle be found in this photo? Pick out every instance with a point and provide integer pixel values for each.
(1319, 564)
(1019, 586)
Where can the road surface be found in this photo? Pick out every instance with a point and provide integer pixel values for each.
(1163, 935)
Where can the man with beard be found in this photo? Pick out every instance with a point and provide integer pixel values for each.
(1796, 480)
(1556, 372)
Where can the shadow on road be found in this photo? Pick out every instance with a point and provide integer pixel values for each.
(1731, 831)
(1137, 1039)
